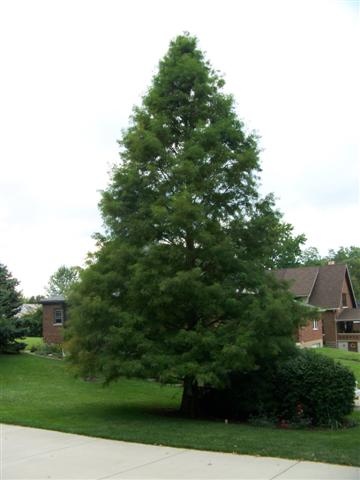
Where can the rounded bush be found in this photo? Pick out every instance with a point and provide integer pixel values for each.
(312, 387)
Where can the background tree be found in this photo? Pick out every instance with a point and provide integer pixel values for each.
(61, 282)
(10, 303)
(33, 299)
(350, 256)
(178, 288)
(311, 256)
(31, 322)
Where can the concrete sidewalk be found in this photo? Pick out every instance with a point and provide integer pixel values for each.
(29, 453)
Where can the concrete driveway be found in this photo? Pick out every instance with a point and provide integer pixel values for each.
(29, 453)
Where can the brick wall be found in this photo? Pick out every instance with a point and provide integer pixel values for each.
(52, 333)
(307, 336)
(329, 324)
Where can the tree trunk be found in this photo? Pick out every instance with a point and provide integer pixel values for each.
(189, 402)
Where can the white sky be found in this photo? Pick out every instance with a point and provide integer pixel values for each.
(71, 72)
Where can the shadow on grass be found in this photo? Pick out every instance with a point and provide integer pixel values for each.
(128, 411)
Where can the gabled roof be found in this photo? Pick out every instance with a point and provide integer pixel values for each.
(301, 279)
(328, 287)
(321, 286)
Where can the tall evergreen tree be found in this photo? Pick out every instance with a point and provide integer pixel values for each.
(179, 288)
(10, 303)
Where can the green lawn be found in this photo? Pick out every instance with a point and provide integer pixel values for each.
(32, 341)
(40, 392)
(350, 359)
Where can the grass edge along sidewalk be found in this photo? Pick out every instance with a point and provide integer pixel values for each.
(38, 392)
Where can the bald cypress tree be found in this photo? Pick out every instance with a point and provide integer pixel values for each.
(178, 289)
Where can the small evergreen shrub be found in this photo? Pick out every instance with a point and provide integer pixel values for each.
(313, 388)
(11, 336)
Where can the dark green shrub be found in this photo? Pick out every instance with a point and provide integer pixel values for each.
(312, 387)
(250, 395)
(11, 336)
(308, 389)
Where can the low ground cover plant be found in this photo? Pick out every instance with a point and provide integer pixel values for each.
(48, 349)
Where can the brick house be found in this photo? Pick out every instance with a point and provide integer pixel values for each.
(328, 288)
(54, 316)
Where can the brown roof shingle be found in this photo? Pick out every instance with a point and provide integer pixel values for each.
(349, 314)
(301, 279)
(328, 287)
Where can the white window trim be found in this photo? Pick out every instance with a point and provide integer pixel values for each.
(62, 317)
(315, 324)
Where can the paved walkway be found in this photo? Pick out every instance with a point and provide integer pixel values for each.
(29, 453)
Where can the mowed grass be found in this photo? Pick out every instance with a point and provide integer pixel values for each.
(32, 342)
(349, 359)
(41, 392)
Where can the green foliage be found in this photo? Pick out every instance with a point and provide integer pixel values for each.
(31, 322)
(308, 389)
(9, 334)
(315, 388)
(178, 289)
(350, 256)
(32, 299)
(249, 396)
(311, 256)
(10, 303)
(61, 282)
(49, 349)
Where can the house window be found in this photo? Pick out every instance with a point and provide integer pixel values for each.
(344, 300)
(315, 325)
(58, 316)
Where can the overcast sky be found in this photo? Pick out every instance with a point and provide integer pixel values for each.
(71, 72)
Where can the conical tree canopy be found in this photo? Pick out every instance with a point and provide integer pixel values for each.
(179, 288)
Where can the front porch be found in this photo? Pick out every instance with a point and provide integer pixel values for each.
(348, 330)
